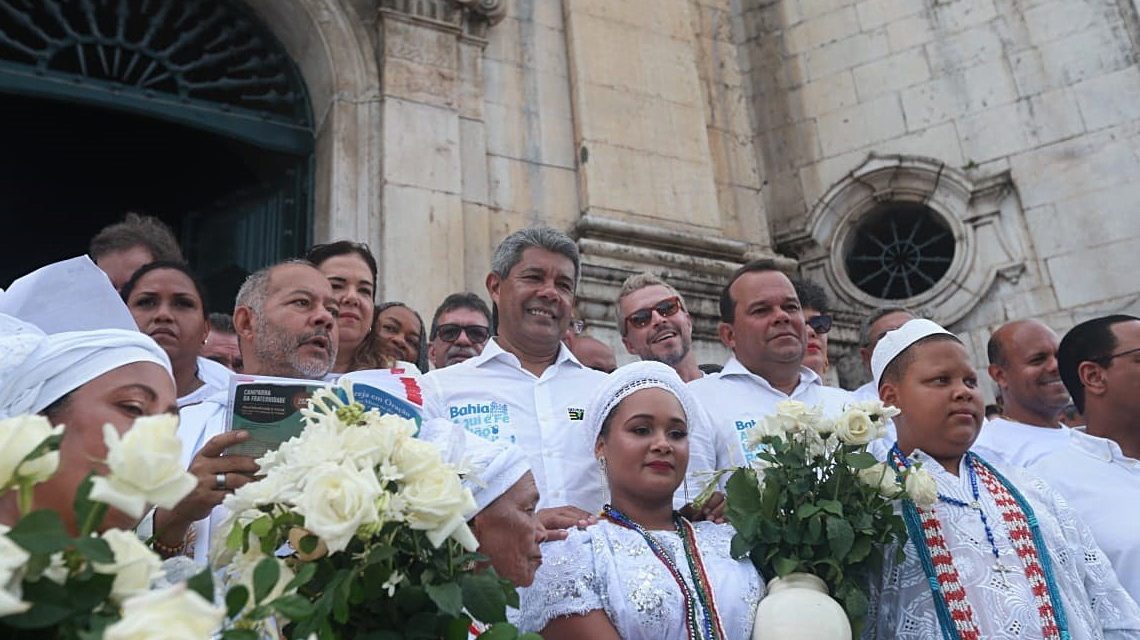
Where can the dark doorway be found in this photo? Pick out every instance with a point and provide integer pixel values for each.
(68, 170)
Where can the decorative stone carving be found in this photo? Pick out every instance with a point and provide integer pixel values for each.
(979, 211)
(470, 17)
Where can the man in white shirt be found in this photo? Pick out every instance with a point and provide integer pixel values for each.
(1098, 470)
(285, 319)
(879, 322)
(526, 387)
(763, 324)
(655, 324)
(1023, 364)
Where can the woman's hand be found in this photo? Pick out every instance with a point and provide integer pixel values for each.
(557, 520)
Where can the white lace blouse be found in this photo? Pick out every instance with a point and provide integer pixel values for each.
(610, 568)
(1094, 602)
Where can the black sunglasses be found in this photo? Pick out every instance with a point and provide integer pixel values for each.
(642, 317)
(476, 333)
(820, 324)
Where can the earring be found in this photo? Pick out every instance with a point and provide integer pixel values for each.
(605, 480)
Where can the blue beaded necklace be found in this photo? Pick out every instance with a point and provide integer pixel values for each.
(702, 621)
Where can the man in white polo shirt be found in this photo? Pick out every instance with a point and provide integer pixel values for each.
(526, 387)
(1023, 364)
(1098, 469)
(763, 324)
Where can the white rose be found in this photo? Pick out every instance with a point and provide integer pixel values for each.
(921, 488)
(135, 565)
(336, 501)
(416, 458)
(373, 443)
(882, 478)
(438, 503)
(13, 559)
(174, 613)
(145, 465)
(855, 427)
(19, 437)
(796, 416)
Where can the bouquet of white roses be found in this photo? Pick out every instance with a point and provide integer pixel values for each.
(357, 529)
(815, 501)
(94, 585)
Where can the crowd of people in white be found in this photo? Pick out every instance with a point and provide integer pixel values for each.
(587, 503)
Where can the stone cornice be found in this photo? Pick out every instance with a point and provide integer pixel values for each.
(467, 17)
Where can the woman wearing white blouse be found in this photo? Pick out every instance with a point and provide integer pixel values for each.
(643, 571)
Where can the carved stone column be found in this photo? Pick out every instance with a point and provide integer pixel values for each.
(433, 141)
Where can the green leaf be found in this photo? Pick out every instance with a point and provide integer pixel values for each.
(303, 576)
(293, 606)
(840, 537)
(448, 597)
(861, 460)
(83, 504)
(235, 537)
(834, 507)
(202, 584)
(484, 598)
(265, 576)
(40, 532)
(240, 634)
(807, 510)
(784, 566)
(740, 547)
(236, 599)
(380, 552)
(95, 550)
(308, 543)
(261, 526)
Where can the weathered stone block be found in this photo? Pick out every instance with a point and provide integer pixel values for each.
(1115, 266)
(825, 95)
(861, 125)
(821, 30)
(421, 146)
(891, 74)
(847, 53)
(1110, 99)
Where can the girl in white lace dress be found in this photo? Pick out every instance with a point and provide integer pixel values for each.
(643, 571)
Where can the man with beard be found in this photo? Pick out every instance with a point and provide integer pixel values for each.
(285, 319)
(459, 329)
(655, 324)
(762, 322)
(1023, 364)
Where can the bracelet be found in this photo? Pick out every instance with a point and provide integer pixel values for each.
(167, 551)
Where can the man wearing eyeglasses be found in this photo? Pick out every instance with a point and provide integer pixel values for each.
(459, 329)
(762, 322)
(1023, 364)
(655, 325)
(1098, 469)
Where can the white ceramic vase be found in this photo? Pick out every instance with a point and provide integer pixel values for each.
(797, 607)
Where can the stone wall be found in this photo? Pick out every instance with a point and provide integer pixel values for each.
(1043, 91)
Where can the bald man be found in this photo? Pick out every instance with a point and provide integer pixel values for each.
(594, 353)
(1023, 364)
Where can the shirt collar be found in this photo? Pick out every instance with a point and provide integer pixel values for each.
(493, 351)
(1100, 448)
(735, 368)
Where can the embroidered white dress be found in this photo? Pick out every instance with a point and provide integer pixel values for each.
(610, 568)
(1095, 604)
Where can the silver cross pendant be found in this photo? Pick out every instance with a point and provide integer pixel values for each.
(1001, 570)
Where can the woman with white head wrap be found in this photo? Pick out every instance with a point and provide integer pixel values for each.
(643, 571)
(81, 379)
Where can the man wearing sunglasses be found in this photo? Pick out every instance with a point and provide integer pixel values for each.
(1098, 469)
(655, 325)
(459, 329)
(762, 322)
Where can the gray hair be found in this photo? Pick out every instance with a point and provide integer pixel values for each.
(255, 289)
(875, 316)
(510, 250)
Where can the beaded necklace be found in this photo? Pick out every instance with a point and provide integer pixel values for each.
(956, 616)
(702, 621)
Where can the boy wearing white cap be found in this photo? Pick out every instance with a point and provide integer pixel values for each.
(998, 554)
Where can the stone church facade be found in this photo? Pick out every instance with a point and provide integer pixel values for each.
(972, 159)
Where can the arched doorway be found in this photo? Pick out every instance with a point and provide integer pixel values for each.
(189, 110)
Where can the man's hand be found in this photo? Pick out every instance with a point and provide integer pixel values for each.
(712, 510)
(557, 520)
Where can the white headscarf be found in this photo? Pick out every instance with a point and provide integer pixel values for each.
(494, 468)
(38, 369)
(627, 379)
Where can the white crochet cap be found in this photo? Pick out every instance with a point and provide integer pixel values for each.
(894, 342)
(626, 380)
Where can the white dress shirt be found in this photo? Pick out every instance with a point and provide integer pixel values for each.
(494, 397)
(1103, 486)
(737, 399)
(1095, 604)
(214, 376)
(1016, 443)
(866, 392)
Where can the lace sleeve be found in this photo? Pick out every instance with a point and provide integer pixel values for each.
(1114, 610)
(566, 584)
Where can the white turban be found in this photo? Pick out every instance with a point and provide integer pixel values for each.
(38, 369)
(627, 379)
(495, 468)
